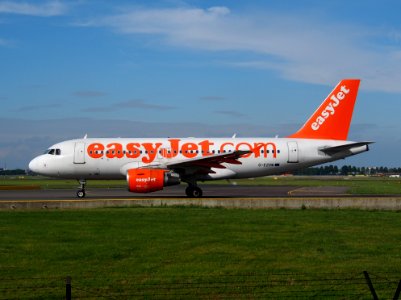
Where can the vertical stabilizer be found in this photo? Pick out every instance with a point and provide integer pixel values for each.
(333, 117)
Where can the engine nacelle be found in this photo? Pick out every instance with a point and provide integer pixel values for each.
(150, 180)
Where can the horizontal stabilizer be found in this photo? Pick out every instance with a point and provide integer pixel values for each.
(342, 148)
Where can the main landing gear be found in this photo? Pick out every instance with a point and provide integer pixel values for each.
(193, 191)
(81, 191)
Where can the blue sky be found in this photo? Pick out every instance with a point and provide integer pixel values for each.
(194, 68)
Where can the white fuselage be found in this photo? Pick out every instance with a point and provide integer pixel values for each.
(110, 158)
(153, 163)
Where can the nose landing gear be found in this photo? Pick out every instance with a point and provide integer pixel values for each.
(81, 191)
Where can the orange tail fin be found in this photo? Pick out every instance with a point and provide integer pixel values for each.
(333, 117)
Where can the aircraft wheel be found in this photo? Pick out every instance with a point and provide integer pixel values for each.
(197, 192)
(193, 192)
(81, 193)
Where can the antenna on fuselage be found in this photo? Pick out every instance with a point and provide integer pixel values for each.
(86, 136)
(234, 136)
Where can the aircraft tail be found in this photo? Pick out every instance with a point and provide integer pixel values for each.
(333, 117)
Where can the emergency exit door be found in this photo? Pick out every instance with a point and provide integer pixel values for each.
(292, 152)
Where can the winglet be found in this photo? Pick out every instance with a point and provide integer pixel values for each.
(333, 117)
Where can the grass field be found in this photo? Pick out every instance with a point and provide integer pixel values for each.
(199, 253)
(356, 185)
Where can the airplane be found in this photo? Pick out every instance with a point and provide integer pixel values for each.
(150, 164)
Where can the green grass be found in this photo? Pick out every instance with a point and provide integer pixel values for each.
(170, 251)
(356, 185)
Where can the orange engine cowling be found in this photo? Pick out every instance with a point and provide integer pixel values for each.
(150, 180)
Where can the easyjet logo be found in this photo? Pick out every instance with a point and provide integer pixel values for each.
(148, 152)
(330, 109)
(146, 180)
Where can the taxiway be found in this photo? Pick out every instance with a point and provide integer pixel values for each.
(209, 191)
(254, 197)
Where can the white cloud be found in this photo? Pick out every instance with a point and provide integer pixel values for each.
(6, 43)
(299, 47)
(51, 8)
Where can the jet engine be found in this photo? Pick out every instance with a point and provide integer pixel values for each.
(150, 180)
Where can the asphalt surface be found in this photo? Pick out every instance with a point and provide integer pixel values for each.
(248, 197)
(209, 191)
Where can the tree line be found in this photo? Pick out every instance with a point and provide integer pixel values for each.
(13, 172)
(348, 170)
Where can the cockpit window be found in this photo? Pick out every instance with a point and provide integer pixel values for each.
(53, 151)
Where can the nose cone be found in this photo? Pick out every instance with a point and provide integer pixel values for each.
(34, 165)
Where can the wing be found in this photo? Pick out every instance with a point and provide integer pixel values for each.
(204, 165)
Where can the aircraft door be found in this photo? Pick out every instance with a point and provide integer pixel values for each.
(292, 152)
(79, 153)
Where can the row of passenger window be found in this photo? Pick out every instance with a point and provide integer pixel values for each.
(58, 151)
(175, 152)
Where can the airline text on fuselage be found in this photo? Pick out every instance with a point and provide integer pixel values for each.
(148, 151)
